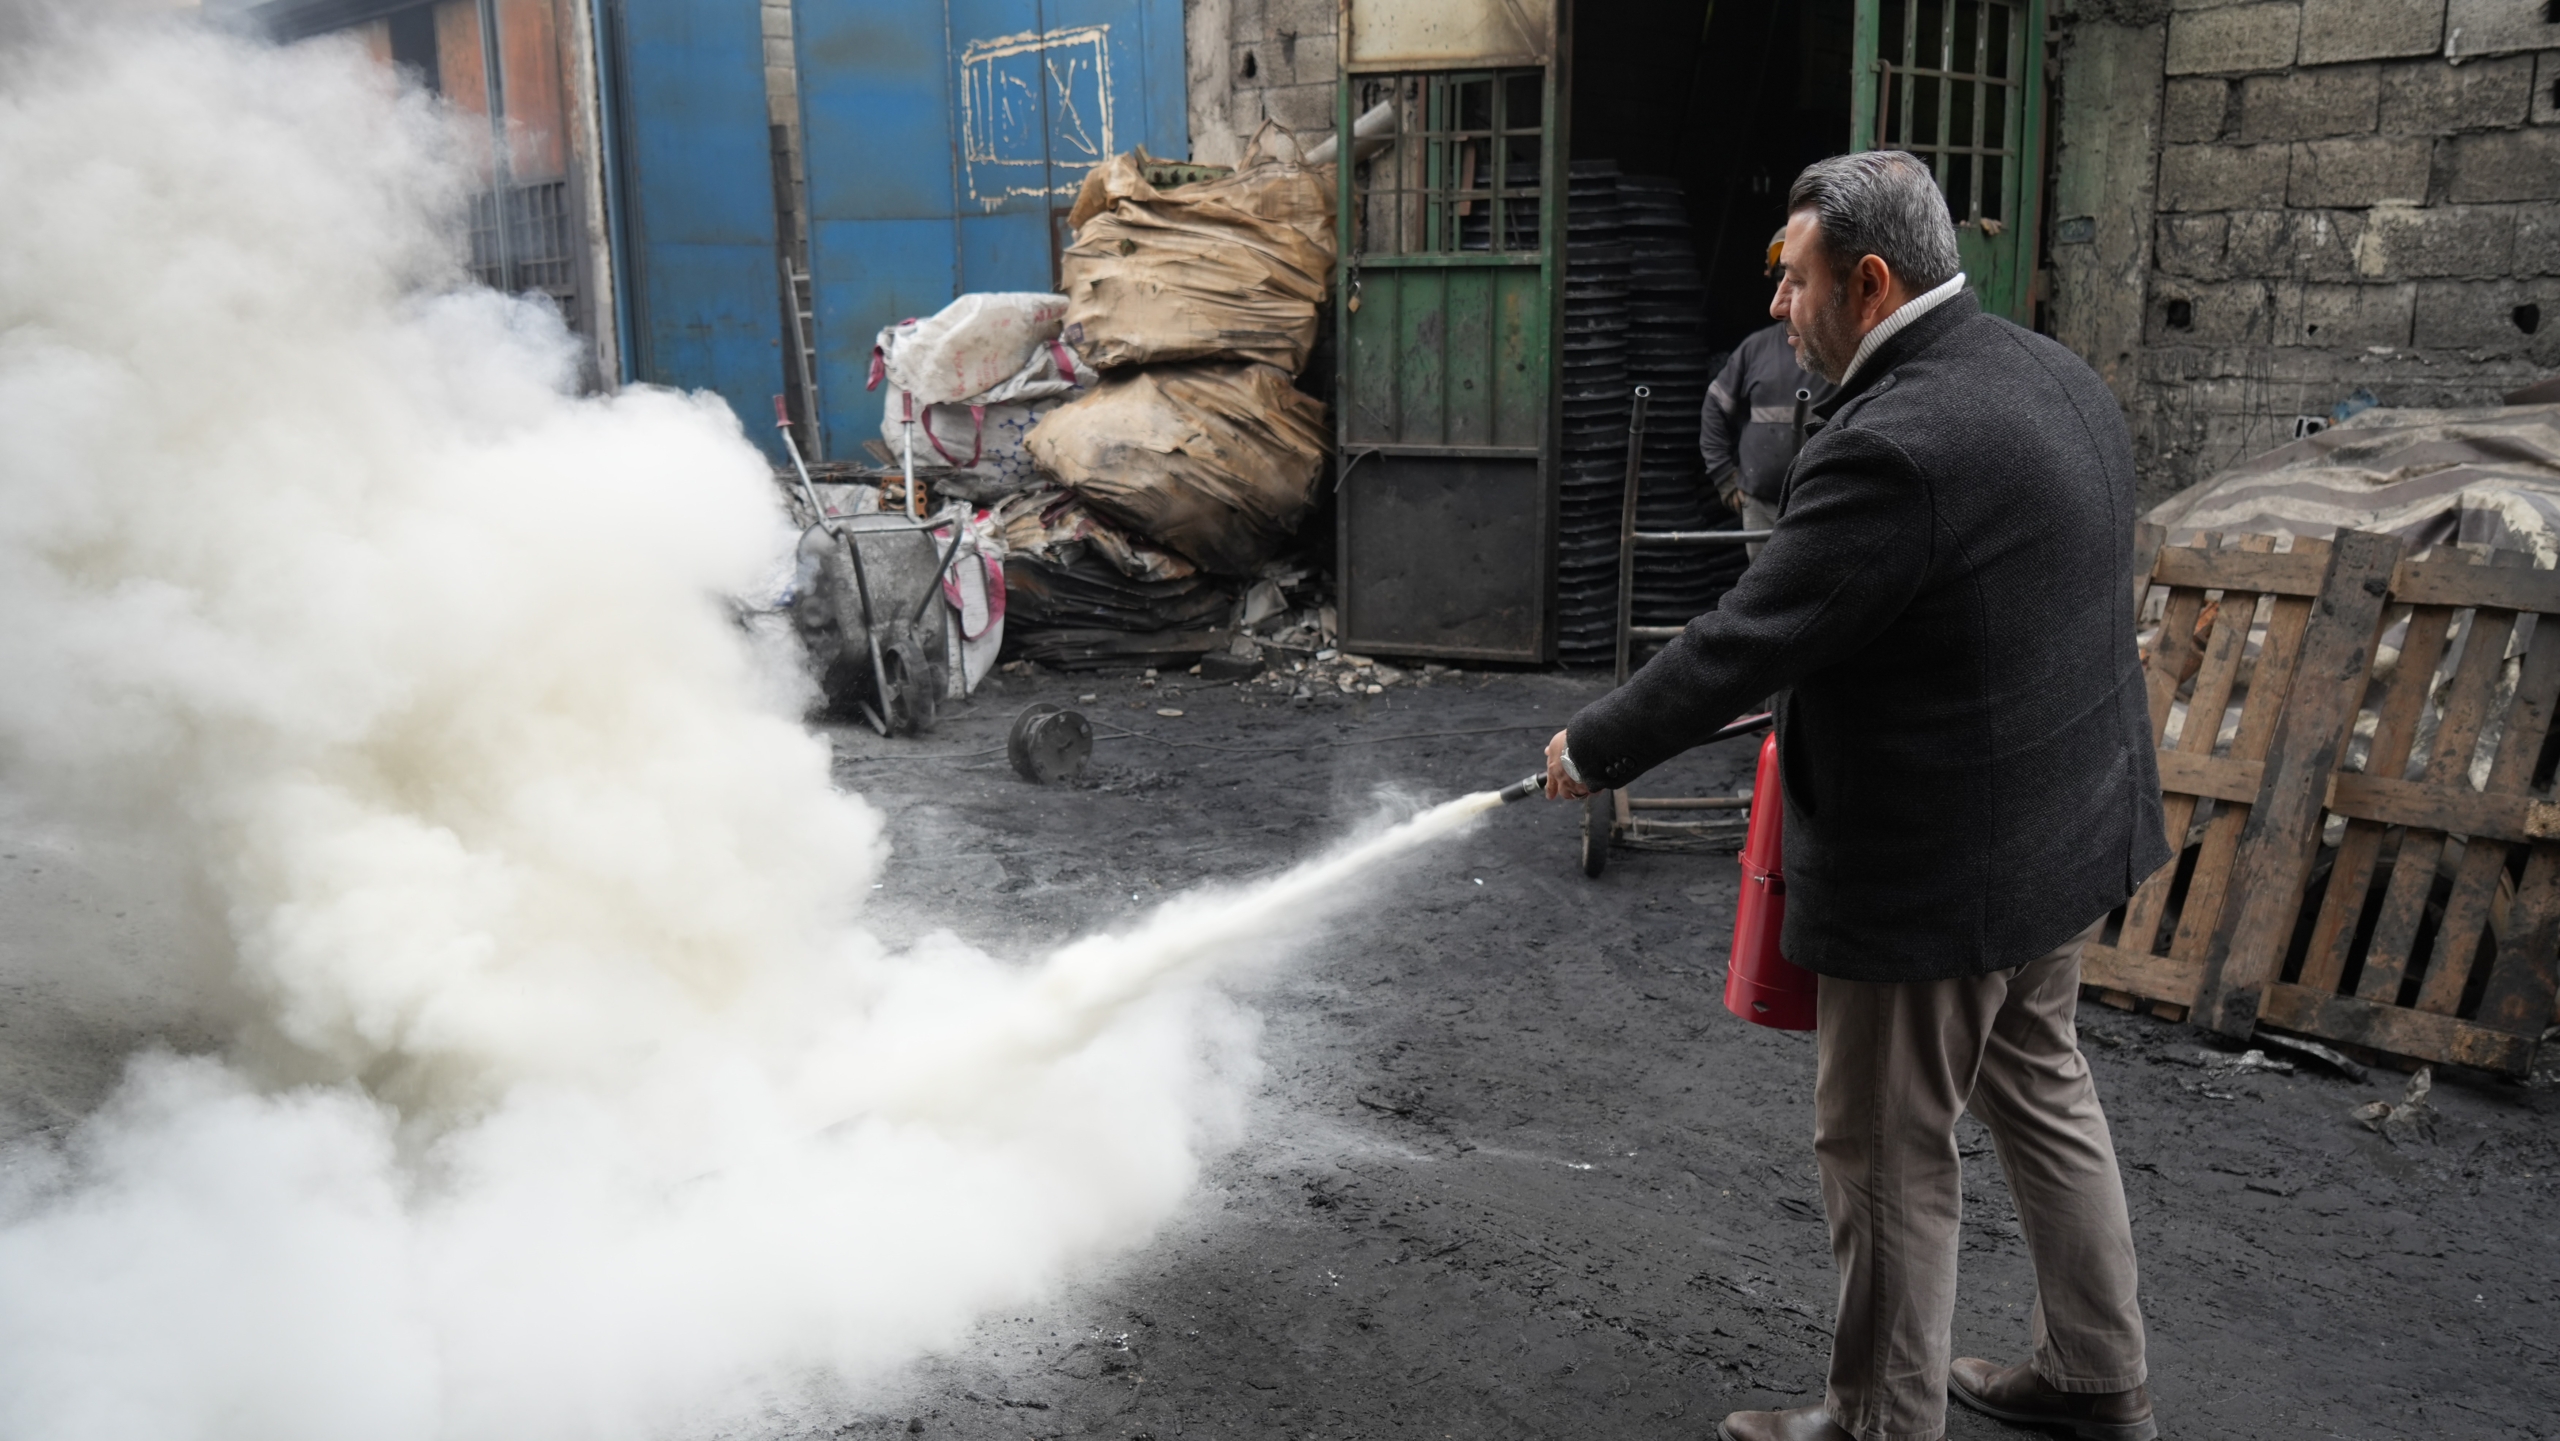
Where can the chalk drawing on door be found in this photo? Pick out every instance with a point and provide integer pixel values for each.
(1035, 112)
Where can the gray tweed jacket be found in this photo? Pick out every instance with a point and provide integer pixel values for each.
(1946, 608)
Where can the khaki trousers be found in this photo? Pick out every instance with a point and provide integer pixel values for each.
(1898, 1062)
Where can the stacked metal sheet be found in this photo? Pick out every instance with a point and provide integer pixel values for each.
(1666, 349)
(1593, 452)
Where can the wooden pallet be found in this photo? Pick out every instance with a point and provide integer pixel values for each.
(2434, 931)
(2256, 920)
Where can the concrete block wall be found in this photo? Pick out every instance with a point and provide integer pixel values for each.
(1256, 60)
(2349, 194)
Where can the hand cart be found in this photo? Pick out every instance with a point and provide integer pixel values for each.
(867, 583)
(1615, 817)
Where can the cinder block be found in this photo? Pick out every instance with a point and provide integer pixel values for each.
(2537, 245)
(2222, 177)
(2260, 243)
(2236, 312)
(2364, 171)
(2193, 109)
(2334, 30)
(2481, 315)
(777, 19)
(2344, 315)
(1306, 109)
(2325, 244)
(2546, 88)
(1308, 22)
(2506, 165)
(2310, 104)
(2432, 97)
(2497, 26)
(777, 52)
(2404, 242)
(2192, 246)
(2233, 39)
(1279, 63)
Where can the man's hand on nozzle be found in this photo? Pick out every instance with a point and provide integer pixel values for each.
(1560, 786)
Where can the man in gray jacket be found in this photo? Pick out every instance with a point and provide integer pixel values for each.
(1946, 608)
(1748, 431)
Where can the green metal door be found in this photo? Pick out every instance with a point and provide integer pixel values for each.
(1445, 311)
(1960, 83)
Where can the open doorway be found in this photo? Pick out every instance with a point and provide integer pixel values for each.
(1729, 98)
(1689, 118)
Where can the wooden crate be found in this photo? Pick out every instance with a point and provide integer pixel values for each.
(2429, 926)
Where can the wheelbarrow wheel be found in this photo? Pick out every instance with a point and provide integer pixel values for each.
(1597, 816)
(915, 686)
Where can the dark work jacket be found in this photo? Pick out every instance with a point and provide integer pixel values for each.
(1749, 419)
(1947, 606)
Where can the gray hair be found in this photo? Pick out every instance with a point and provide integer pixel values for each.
(1883, 203)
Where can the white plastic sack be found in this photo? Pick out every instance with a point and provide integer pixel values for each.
(967, 349)
(980, 435)
(972, 604)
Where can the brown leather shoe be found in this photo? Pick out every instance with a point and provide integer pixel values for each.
(1803, 1423)
(2018, 1395)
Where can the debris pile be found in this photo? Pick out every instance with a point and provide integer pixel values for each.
(1131, 456)
(2410, 1120)
(1194, 461)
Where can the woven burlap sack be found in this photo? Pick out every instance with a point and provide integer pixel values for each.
(1217, 462)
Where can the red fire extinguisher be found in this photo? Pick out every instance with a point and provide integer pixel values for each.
(1762, 986)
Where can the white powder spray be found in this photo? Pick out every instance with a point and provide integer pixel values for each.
(578, 1104)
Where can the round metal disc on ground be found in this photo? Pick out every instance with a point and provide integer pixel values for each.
(1049, 743)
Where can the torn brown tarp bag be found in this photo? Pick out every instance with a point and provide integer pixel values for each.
(1225, 269)
(1216, 462)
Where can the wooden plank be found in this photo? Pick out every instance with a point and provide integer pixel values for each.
(2143, 913)
(2297, 572)
(2140, 973)
(2148, 537)
(2169, 652)
(2402, 1032)
(2524, 987)
(2453, 810)
(2208, 890)
(2217, 672)
(2475, 882)
(2457, 579)
(2224, 778)
(2274, 856)
(2404, 699)
(2223, 650)
(2413, 874)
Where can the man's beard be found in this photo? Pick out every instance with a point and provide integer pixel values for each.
(1827, 345)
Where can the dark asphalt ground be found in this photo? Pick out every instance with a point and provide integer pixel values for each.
(1514, 1172)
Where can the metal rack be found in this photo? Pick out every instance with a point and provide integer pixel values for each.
(1615, 816)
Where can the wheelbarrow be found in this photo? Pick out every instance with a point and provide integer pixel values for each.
(865, 608)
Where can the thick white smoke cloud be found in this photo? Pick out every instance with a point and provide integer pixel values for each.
(578, 1105)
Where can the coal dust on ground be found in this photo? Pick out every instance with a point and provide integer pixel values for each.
(1514, 1172)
